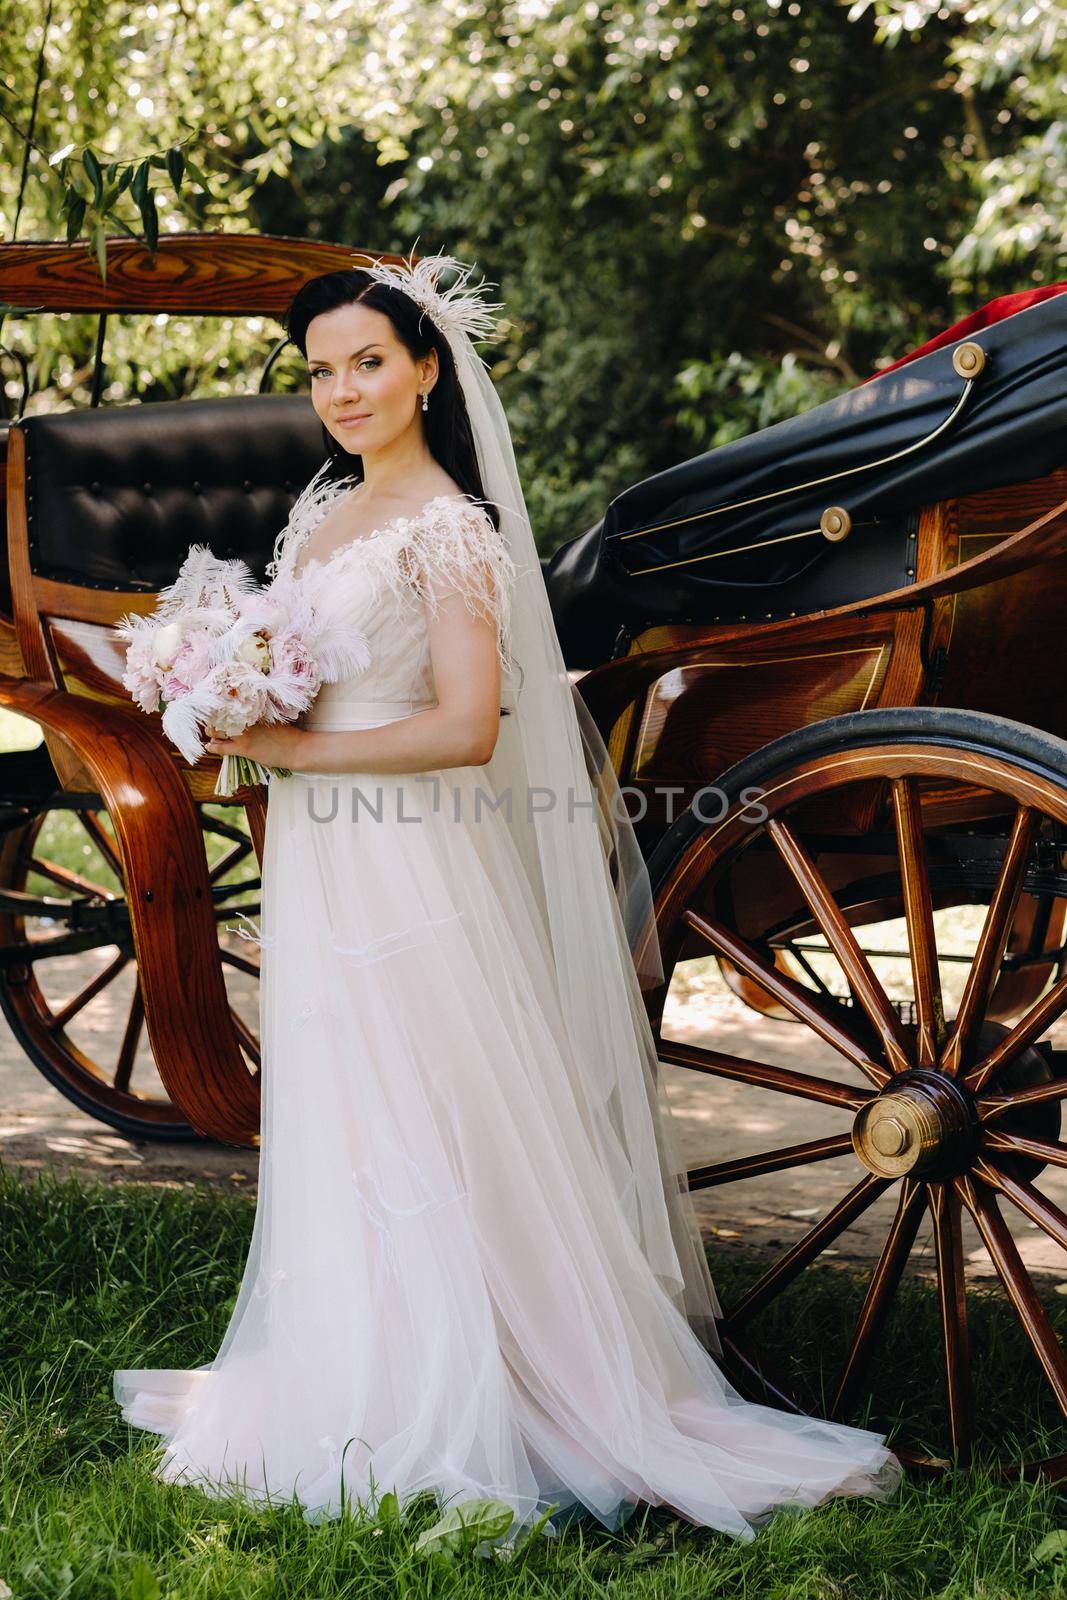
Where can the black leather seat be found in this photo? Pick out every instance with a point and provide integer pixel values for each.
(115, 496)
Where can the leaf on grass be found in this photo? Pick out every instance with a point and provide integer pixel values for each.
(526, 1543)
(388, 1505)
(638, 1555)
(1052, 1549)
(143, 1584)
(465, 1526)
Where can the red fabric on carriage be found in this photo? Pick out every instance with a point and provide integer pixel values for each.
(1006, 305)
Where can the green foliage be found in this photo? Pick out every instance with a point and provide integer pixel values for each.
(668, 188)
(1007, 55)
(702, 215)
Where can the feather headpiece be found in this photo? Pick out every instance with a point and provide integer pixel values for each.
(457, 309)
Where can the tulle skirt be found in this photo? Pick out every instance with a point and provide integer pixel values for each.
(441, 1292)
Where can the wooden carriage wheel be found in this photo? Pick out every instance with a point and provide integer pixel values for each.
(954, 1113)
(69, 986)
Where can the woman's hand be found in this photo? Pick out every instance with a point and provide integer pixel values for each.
(273, 744)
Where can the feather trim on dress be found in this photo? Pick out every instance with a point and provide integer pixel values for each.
(455, 549)
(307, 510)
(445, 547)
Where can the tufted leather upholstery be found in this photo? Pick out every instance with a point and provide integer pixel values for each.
(115, 496)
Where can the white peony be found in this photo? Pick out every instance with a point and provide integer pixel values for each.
(166, 644)
(255, 651)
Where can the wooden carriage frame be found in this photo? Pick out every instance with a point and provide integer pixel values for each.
(60, 664)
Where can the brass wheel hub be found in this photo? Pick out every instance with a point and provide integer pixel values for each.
(922, 1124)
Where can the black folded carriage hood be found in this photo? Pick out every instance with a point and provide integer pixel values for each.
(755, 528)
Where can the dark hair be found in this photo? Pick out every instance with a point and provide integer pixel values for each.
(446, 423)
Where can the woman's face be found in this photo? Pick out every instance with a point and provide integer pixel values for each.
(365, 386)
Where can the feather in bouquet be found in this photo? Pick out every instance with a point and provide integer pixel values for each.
(221, 653)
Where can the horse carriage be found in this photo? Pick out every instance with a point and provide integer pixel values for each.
(822, 660)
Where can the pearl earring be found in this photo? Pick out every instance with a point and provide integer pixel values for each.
(425, 402)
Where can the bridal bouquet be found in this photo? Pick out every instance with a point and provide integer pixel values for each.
(220, 653)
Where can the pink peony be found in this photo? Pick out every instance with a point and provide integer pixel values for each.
(218, 654)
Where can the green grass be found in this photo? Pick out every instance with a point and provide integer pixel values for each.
(97, 1277)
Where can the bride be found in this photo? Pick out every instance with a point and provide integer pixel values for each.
(475, 1268)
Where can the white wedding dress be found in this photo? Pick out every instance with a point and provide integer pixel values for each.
(441, 1291)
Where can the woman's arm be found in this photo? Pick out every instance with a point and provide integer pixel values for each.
(460, 731)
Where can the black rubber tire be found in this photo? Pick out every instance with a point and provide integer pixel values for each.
(1028, 747)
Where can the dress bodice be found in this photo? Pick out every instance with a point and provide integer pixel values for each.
(387, 585)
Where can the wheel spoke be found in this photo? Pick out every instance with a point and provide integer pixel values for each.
(945, 1210)
(919, 919)
(245, 1035)
(107, 975)
(102, 840)
(992, 941)
(222, 828)
(241, 963)
(54, 946)
(793, 995)
(1018, 1144)
(1030, 1201)
(762, 1075)
(229, 860)
(46, 868)
(1029, 1027)
(842, 941)
(879, 1297)
(800, 956)
(842, 1215)
(220, 910)
(1004, 1254)
(130, 1038)
(793, 1155)
(995, 1105)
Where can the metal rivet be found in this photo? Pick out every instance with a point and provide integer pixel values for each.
(148, 894)
(968, 359)
(835, 523)
(147, 487)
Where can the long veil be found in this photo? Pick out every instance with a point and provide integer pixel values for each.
(579, 852)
